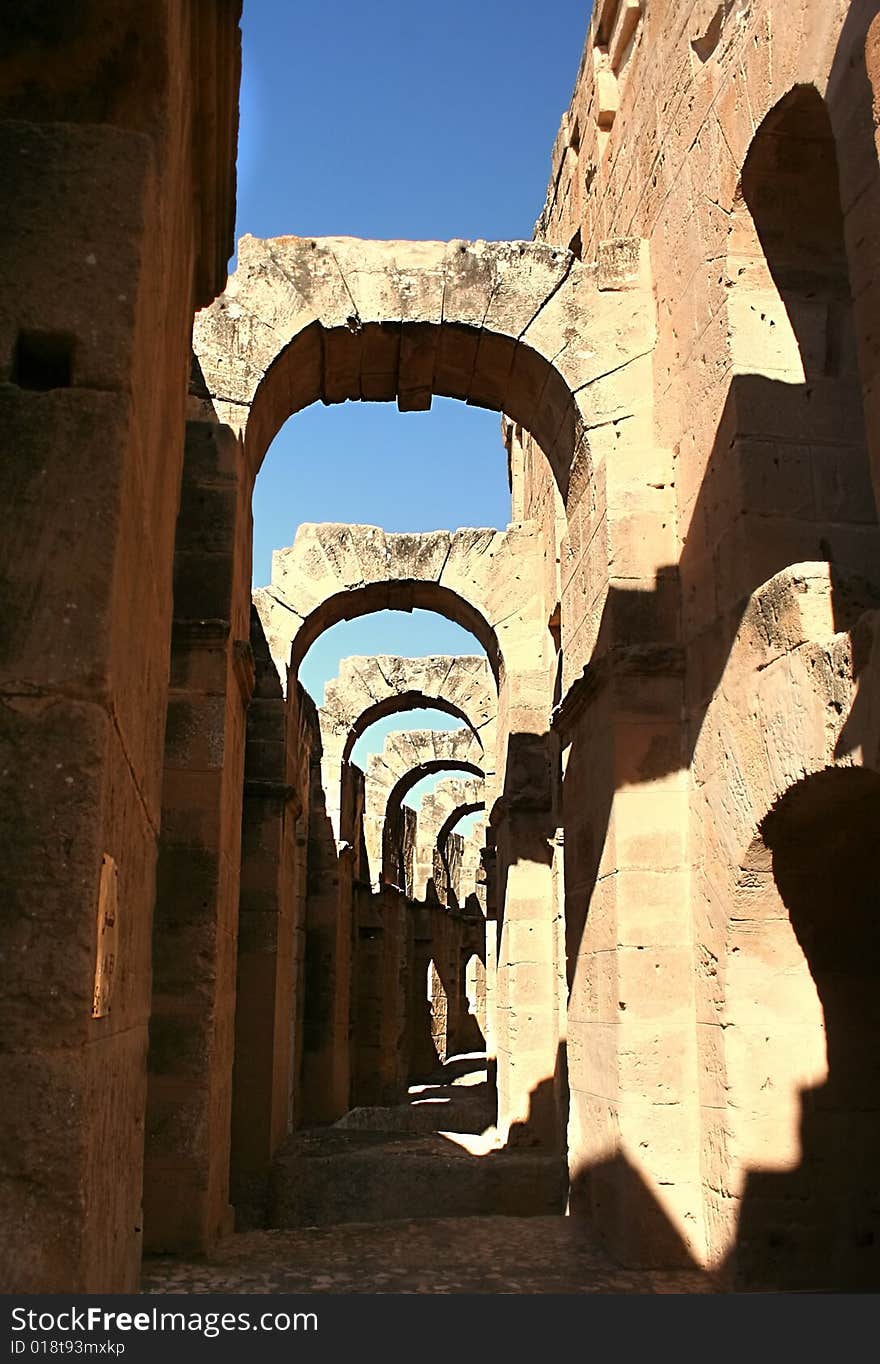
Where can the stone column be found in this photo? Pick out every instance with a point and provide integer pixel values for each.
(367, 1000)
(328, 968)
(422, 1056)
(395, 972)
(265, 1004)
(633, 1129)
(488, 860)
(436, 981)
(186, 1173)
(525, 1008)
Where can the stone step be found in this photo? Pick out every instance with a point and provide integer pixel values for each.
(431, 1109)
(336, 1175)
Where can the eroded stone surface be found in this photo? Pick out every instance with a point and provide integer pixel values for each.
(679, 948)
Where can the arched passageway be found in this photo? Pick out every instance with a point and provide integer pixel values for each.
(304, 320)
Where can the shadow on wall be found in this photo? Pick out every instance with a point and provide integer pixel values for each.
(822, 839)
(788, 482)
(818, 1224)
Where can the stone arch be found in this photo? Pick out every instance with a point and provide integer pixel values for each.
(843, 62)
(410, 755)
(429, 768)
(839, 61)
(431, 879)
(562, 346)
(443, 864)
(407, 757)
(447, 879)
(788, 480)
(368, 689)
(495, 324)
(459, 813)
(338, 572)
(400, 705)
(460, 864)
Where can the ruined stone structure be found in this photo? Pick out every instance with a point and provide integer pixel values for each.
(227, 950)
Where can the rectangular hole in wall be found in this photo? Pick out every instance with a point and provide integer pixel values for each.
(43, 360)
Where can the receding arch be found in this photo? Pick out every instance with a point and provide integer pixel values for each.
(406, 758)
(795, 422)
(407, 595)
(405, 784)
(454, 818)
(401, 705)
(447, 829)
(370, 688)
(392, 841)
(333, 573)
(421, 360)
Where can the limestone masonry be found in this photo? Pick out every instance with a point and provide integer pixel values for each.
(249, 984)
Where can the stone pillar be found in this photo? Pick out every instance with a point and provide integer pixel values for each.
(470, 1031)
(634, 1129)
(526, 1013)
(367, 1000)
(186, 1172)
(394, 1067)
(456, 998)
(425, 845)
(437, 981)
(264, 1011)
(334, 775)
(328, 967)
(380, 1062)
(422, 1055)
(301, 873)
(265, 1004)
(489, 874)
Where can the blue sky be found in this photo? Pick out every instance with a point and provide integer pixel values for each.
(395, 119)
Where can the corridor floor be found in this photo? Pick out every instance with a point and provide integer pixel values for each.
(445, 1255)
(432, 1155)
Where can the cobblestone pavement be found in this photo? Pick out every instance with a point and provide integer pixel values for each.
(431, 1253)
(444, 1255)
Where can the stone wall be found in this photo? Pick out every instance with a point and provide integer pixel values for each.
(738, 143)
(117, 225)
